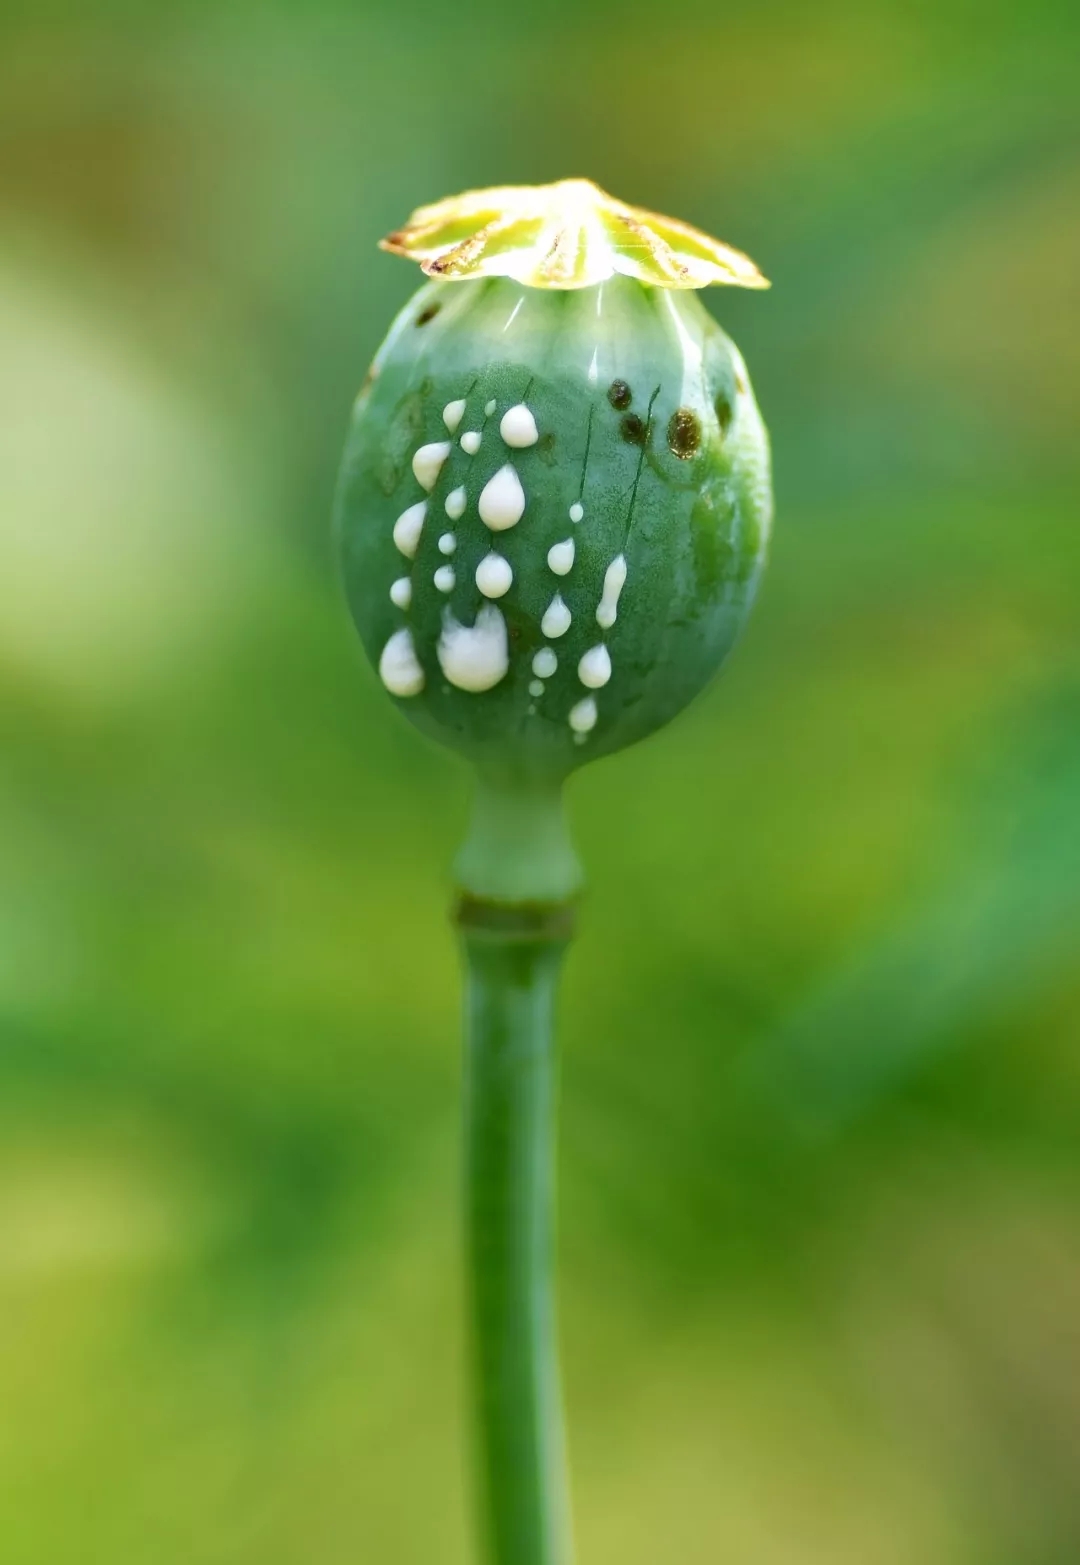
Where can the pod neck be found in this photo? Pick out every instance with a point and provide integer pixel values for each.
(518, 849)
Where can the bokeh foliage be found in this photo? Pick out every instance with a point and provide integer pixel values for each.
(820, 1185)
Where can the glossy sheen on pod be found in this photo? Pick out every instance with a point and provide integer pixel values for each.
(628, 421)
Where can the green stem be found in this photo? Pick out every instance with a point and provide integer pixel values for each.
(518, 848)
(513, 957)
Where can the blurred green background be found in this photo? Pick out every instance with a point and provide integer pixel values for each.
(820, 1144)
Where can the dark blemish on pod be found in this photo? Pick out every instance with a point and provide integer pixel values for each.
(684, 433)
(633, 430)
(545, 449)
(428, 314)
(723, 412)
(619, 395)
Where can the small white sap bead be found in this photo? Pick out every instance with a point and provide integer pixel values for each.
(556, 620)
(474, 657)
(583, 716)
(401, 592)
(502, 500)
(561, 557)
(453, 413)
(428, 461)
(489, 407)
(455, 503)
(594, 670)
(408, 527)
(444, 578)
(614, 581)
(518, 427)
(494, 576)
(470, 442)
(536, 687)
(577, 511)
(545, 663)
(447, 543)
(399, 667)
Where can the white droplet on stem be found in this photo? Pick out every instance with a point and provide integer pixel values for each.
(455, 503)
(401, 592)
(536, 687)
(447, 543)
(470, 442)
(444, 578)
(489, 407)
(577, 511)
(545, 662)
(399, 667)
(502, 500)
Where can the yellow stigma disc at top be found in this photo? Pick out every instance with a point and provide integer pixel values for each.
(568, 235)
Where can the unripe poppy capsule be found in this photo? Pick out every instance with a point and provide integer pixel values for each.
(555, 498)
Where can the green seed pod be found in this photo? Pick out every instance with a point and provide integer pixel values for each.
(555, 498)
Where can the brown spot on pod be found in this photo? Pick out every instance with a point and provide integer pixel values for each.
(428, 313)
(684, 433)
(634, 430)
(723, 411)
(619, 395)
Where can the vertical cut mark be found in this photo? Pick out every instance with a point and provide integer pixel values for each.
(585, 463)
(640, 464)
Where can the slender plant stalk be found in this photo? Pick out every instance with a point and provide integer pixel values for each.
(513, 957)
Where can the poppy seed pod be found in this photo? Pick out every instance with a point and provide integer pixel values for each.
(555, 498)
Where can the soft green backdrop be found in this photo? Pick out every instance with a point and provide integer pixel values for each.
(820, 1153)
